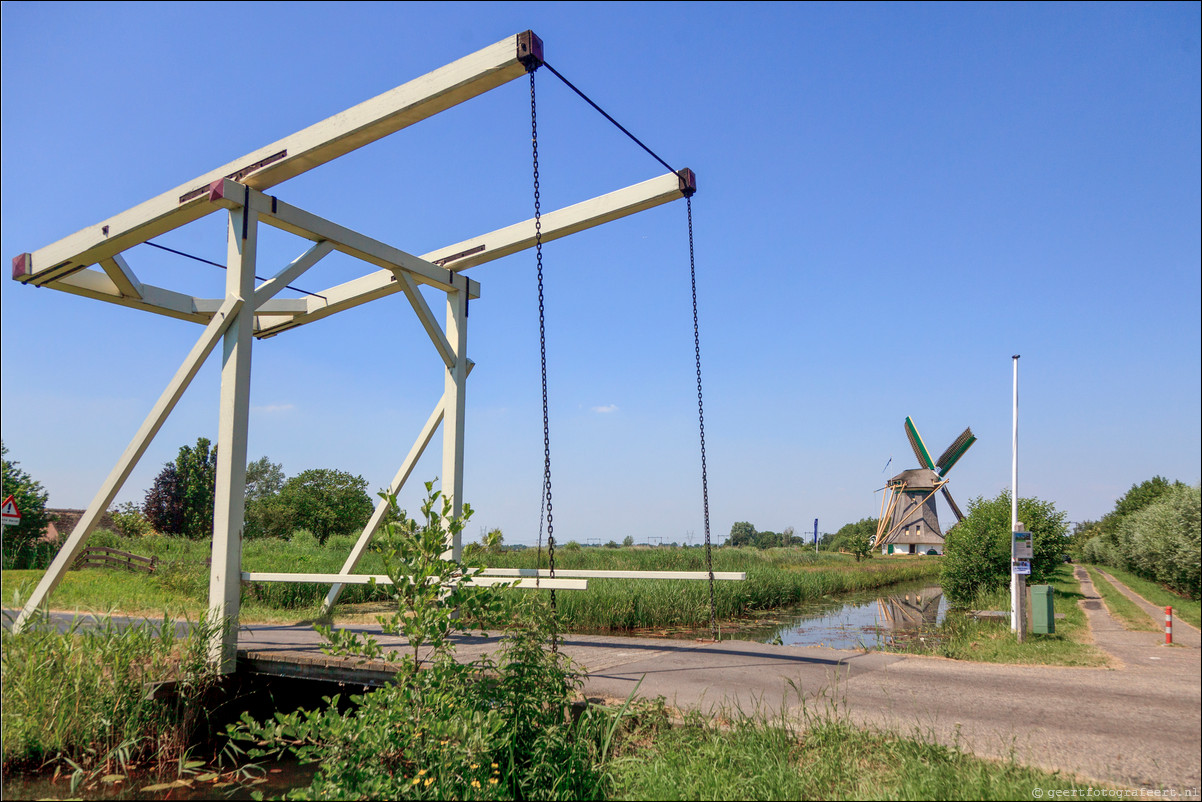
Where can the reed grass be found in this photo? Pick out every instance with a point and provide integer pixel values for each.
(776, 578)
(81, 698)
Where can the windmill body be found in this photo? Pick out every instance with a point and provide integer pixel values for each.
(915, 521)
(909, 521)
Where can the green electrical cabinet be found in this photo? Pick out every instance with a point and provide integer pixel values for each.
(1043, 617)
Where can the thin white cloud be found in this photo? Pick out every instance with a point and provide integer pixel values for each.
(271, 409)
(606, 409)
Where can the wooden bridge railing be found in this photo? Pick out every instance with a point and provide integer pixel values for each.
(102, 557)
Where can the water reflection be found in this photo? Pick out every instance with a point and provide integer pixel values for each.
(869, 620)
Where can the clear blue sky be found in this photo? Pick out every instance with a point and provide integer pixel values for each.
(893, 200)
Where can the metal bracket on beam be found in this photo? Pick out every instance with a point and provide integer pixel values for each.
(688, 182)
(530, 50)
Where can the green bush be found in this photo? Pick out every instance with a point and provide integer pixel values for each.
(129, 521)
(104, 539)
(977, 550)
(1163, 541)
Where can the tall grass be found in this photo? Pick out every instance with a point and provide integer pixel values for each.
(822, 756)
(775, 578)
(83, 697)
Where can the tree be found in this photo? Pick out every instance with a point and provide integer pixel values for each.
(322, 500)
(1143, 494)
(20, 549)
(628, 540)
(263, 478)
(180, 502)
(741, 534)
(977, 550)
(853, 535)
(1162, 541)
(860, 545)
(164, 505)
(197, 470)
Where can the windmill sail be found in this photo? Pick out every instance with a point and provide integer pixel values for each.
(955, 451)
(920, 449)
(951, 503)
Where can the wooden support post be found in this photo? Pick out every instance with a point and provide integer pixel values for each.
(454, 413)
(229, 505)
(377, 517)
(133, 452)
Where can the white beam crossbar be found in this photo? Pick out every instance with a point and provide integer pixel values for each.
(294, 270)
(426, 316)
(137, 447)
(379, 579)
(122, 276)
(578, 573)
(264, 168)
(98, 285)
(294, 220)
(502, 242)
(561, 222)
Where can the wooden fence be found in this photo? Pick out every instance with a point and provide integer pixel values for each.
(101, 557)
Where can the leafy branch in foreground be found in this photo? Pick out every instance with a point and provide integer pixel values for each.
(435, 595)
(497, 728)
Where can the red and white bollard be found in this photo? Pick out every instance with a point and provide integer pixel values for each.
(1168, 626)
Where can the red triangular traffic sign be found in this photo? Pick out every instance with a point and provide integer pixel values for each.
(9, 511)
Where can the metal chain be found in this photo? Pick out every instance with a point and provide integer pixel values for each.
(542, 511)
(705, 493)
(542, 348)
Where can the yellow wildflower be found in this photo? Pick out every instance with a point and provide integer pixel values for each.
(493, 781)
(494, 765)
(421, 772)
(475, 765)
(475, 783)
(416, 780)
(429, 780)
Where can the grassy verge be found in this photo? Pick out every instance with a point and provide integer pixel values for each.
(828, 758)
(775, 578)
(989, 640)
(1129, 614)
(1186, 609)
(78, 701)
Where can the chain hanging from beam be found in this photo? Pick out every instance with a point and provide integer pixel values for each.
(542, 349)
(705, 493)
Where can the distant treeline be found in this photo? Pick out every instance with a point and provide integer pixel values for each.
(1153, 531)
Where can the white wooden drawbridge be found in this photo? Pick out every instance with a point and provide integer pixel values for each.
(90, 263)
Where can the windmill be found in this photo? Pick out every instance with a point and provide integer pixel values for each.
(908, 516)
